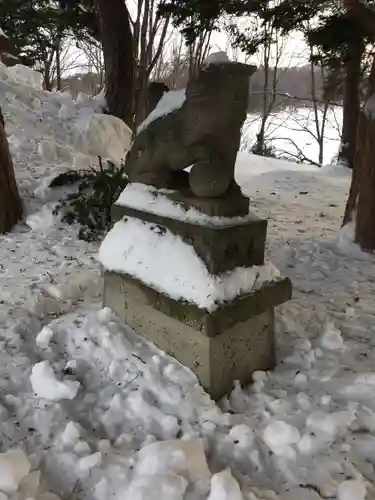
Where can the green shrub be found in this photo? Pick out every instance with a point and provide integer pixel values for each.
(90, 205)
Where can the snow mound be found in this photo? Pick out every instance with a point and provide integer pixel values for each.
(165, 262)
(26, 75)
(65, 128)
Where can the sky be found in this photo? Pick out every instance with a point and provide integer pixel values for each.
(293, 53)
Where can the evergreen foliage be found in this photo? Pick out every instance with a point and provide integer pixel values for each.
(90, 204)
(35, 25)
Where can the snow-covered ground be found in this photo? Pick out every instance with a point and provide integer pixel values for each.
(94, 412)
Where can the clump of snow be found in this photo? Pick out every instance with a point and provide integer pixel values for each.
(14, 466)
(44, 337)
(100, 99)
(87, 463)
(45, 385)
(346, 241)
(144, 197)
(351, 490)
(186, 458)
(165, 262)
(217, 58)
(172, 100)
(168, 486)
(332, 339)
(71, 435)
(42, 219)
(224, 487)
(280, 436)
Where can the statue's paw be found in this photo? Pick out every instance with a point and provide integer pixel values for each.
(210, 180)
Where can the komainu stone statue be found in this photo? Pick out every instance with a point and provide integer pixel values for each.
(223, 328)
(198, 128)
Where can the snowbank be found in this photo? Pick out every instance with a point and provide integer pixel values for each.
(165, 262)
(66, 128)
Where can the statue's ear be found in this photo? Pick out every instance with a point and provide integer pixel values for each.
(155, 92)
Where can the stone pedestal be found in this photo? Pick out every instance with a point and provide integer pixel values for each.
(221, 346)
(221, 248)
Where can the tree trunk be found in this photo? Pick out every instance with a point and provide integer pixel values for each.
(357, 168)
(361, 197)
(47, 80)
(360, 153)
(351, 103)
(10, 201)
(364, 14)
(58, 63)
(365, 216)
(118, 49)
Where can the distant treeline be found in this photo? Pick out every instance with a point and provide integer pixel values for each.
(294, 86)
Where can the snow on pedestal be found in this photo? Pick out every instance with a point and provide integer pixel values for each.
(156, 201)
(165, 262)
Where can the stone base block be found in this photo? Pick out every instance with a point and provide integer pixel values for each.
(220, 347)
(221, 248)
